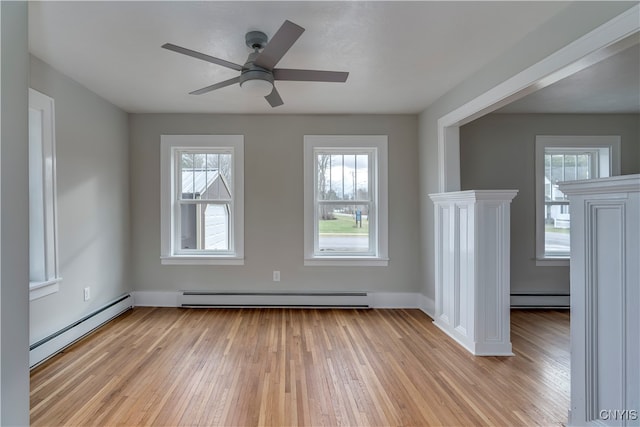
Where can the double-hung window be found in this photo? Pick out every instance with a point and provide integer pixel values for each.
(566, 158)
(43, 246)
(345, 200)
(202, 199)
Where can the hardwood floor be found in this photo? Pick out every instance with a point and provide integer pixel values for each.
(286, 367)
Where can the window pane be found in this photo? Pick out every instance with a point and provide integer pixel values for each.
(584, 166)
(323, 165)
(225, 169)
(343, 228)
(204, 226)
(570, 167)
(349, 172)
(205, 176)
(342, 176)
(336, 173)
(37, 254)
(362, 177)
(556, 230)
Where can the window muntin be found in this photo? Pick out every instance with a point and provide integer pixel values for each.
(202, 199)
(566, 158)
(345, 200)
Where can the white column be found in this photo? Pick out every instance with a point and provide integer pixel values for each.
(472, 230)
(605, 300)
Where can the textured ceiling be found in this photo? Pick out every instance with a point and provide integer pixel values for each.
(401, 56)
(610, 86)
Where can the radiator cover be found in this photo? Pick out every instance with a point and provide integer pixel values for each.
(275, 299)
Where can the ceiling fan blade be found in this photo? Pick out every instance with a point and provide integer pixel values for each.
(215, 86)
(279, 44)
(200, 55)
(310, 75)
(274, 98)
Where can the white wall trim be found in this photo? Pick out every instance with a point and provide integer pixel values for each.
(156, 298)
(605, 343)
(427, 305)
(601, 43)
(472, 269)
(47, 207)
(168, 146)
(377, 145)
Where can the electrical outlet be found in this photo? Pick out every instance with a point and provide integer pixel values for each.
(276, 275)
(87, 294)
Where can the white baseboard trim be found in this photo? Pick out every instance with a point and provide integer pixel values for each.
(394, 299)
(56, 342)
(378, 300)
(476, 348)
(427, 305)
(540, 301)
(156, 298)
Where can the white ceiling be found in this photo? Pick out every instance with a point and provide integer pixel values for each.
(401, 56)
(609, 86)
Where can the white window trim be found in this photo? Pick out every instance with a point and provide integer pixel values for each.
(45, 104)
(595, 142)
(377, 142)
(171, 143)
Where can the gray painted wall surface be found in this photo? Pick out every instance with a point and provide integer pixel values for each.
(14, 223)
(274, 204)
(497, 152)
(92, 149)
(576, 20)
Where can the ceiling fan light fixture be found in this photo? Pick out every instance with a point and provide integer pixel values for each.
(257, 87)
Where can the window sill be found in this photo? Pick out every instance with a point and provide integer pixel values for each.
(42, 289)
(552, 262)
(347, 262)
(201, 260)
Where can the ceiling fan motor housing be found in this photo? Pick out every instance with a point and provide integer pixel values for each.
(253, 72)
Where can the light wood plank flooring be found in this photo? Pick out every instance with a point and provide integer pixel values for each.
(287, 367)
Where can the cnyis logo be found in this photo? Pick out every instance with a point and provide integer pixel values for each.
(618, 415)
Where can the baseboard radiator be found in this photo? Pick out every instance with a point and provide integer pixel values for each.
(543, 301)
(58, 341)
(276, 299)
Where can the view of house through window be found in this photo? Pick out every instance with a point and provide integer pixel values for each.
(202, 217)
(566, 158)
(562, 165)
(205, 200)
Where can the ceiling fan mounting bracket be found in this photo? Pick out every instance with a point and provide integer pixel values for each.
(256, 39)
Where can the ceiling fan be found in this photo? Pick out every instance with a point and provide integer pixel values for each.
(259, 73)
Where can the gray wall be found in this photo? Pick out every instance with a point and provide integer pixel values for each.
(274, 204)
(573, 22)
(497, 152)
(14, 223)
(92, 149)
